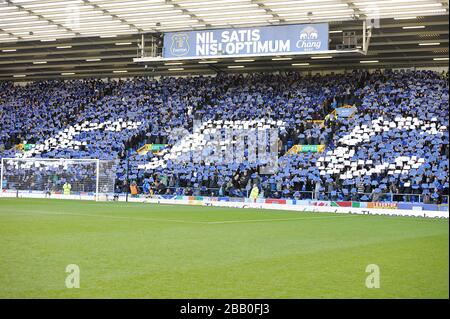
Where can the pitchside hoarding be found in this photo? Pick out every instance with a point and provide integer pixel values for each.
(254, 41)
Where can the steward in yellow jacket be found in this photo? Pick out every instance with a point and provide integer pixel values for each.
(67, 187)
(254, 192)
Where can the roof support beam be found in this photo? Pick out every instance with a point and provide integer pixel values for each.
(268, 10)
(187, 11)
(113, 16)
(41, 17)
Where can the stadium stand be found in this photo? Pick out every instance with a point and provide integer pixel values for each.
(392, 146)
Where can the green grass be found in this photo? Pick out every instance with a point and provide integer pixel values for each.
(130, 250)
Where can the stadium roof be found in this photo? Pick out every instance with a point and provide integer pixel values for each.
(71, 38)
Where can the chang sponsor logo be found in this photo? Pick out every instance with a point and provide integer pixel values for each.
(309, 39)
(180, 44)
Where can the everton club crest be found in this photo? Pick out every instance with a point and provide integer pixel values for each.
(180, 44)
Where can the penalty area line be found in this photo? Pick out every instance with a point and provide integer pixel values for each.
(277, 219)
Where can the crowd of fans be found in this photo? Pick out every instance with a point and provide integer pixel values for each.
(154, 110)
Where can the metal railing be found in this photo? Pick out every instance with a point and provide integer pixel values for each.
(302, 195)
(383, 197)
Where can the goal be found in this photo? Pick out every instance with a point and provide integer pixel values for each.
(58, 178)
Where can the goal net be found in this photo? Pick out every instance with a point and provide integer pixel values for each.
(58, 178)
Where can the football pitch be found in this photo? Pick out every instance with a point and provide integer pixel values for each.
(131, 250)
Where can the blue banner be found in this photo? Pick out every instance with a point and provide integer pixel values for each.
(253, 41)
(345, 111)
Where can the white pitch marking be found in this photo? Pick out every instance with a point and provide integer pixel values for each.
(111, 217)
(183, 221)
(277, 219)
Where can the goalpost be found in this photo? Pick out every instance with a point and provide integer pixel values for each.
(50, 178)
